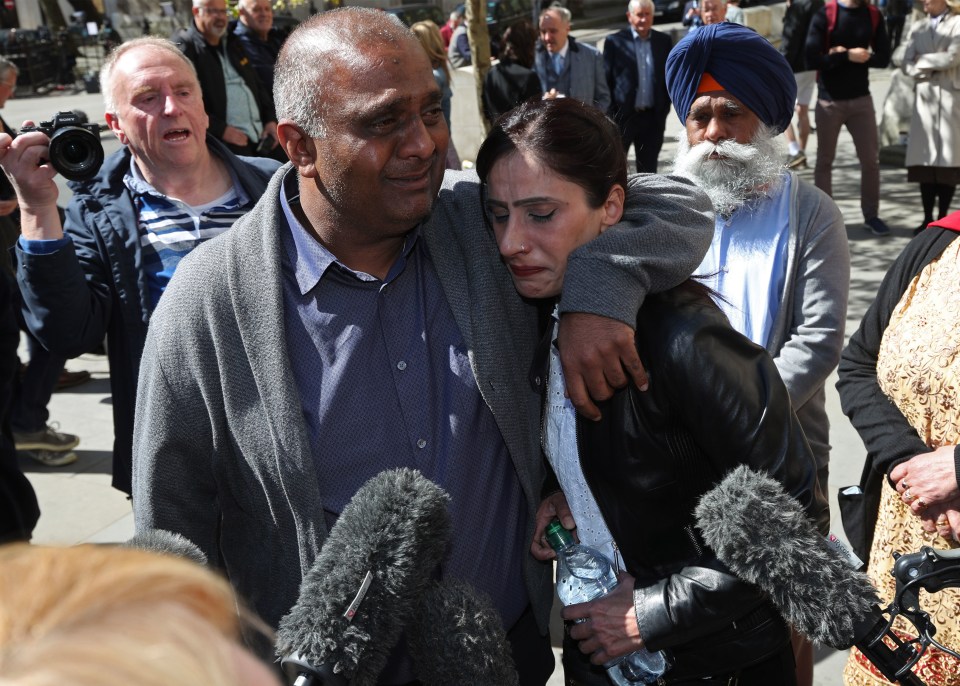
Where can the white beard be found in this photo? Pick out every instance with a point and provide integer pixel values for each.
(741, 173)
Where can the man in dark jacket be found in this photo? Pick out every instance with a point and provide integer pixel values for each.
(260, 40)
(169, 189)
(845, 40)
(634, 60)
(796, 22)
(239, 106)
(691, 15)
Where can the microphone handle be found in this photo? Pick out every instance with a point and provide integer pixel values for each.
(887, 660)
(299, 672)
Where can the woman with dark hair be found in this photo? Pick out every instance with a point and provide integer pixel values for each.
(554, 175)
(512, 80)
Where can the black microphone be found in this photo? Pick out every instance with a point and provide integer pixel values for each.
(764, 537)
(366, 583)
(458, 638)
(167, 542)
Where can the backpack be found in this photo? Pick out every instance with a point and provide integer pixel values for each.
(831, 9)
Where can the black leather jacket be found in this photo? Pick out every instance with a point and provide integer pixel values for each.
(715, 401)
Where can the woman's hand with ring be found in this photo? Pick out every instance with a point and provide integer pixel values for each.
(927, 479)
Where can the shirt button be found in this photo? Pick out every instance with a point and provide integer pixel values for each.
(422, 443)
(401, 365)
(537, 380)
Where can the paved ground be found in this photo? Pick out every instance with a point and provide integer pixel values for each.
(78, 504)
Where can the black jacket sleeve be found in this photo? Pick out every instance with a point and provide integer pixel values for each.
(888, 437)
(729, 395)
(816, 44)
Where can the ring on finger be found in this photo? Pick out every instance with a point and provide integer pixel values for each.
(921, 505)
(907, 496)
(905, 485)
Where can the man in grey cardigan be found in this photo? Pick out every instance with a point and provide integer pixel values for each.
(359, 319)
(779, 256)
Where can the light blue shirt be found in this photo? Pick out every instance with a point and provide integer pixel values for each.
(242, 110)
(644, 71)
(747, 262)
(557, 58)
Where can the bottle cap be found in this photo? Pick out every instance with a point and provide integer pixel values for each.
(558, 537)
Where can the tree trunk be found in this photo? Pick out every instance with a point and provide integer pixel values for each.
(479, 39)
(88, 8)
(52, 14)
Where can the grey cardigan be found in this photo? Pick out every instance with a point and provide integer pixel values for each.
(808, 333)
(221, 452)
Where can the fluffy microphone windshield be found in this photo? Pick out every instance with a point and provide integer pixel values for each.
(458, 638)
(162, 541)
(763, 536)
(366, 582)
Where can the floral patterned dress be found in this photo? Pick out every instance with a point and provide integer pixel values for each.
(918, 368)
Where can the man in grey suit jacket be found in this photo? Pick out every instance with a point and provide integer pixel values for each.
(568, 68)
(360, 319)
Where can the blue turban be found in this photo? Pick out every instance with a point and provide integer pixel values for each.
(743, 62)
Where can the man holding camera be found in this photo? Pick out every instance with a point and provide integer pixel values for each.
(169, 189)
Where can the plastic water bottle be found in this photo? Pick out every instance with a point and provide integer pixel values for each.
(584, 573)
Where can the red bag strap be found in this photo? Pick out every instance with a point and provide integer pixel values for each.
(831, 11)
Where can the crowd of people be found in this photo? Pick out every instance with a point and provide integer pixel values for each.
(549, 336)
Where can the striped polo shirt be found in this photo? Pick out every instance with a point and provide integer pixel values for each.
(170, 228)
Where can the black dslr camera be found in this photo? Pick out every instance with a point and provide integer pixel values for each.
(75, 148)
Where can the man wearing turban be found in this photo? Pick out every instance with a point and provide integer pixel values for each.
(779, 256)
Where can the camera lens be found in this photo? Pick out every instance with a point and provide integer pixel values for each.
(73, 153)
(76, 153)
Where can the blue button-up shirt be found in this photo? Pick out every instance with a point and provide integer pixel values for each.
(385, 381)
(644, 71)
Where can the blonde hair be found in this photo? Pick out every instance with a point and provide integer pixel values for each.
(429, 36)
(108, 616)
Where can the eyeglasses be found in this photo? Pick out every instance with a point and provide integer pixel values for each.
(216, 13)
